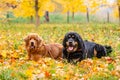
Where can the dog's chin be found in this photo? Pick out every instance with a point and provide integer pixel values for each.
(32, 47)
(71, 49)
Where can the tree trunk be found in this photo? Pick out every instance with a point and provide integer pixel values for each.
(87, 15)
(73, 15)
(36, 13)
(31, 19)
(108, 19)
(46, 16)
(7, 16)
(68, 17)
(119, 13)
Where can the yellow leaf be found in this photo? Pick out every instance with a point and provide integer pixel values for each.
(29, 72)
(15, 55)
(4, 54)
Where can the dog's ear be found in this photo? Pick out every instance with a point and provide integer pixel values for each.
(81, 46)
(80, 42)
(39, 39)
(26, 38)
(64, 40)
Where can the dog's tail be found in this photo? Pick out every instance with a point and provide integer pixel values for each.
(108, 49)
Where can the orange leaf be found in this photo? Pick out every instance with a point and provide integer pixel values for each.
(1, 61)
(47, 74)
(12, 60)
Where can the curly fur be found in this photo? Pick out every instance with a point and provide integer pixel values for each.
(36, 48)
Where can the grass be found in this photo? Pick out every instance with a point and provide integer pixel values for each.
(10, 74)
(14, 64)
(59, 18)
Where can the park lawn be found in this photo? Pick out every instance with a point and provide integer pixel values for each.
(15, 66)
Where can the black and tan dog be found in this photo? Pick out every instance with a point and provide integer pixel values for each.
(74, 48)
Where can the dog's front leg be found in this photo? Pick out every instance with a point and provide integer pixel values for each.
(29, 56)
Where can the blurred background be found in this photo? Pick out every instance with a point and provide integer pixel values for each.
(59, 11)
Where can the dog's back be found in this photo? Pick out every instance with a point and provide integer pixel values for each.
(54, 50)
(97, 50)
(89, 47)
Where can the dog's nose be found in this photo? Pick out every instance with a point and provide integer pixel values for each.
(70, 42)
(32, 43)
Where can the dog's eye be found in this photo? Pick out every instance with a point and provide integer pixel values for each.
(73, 36)
(69, 36)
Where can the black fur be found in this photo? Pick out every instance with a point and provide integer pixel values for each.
(90, 46)
(85, 49)
(79, 53)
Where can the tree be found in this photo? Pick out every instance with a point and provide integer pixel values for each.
(36, 12)
(31, 8)
(49, 7)
(66, 7)
(46, 16)
(92, 6)
(118, 3)
(6, 8)
(108, 18)
(70, 6)
(108, 5)
(116, 10)
(84, 6)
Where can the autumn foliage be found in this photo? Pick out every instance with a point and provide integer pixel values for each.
(13, 56)
(37, 8)
(14, 63)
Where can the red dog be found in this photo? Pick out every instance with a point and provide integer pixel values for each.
(36, 48)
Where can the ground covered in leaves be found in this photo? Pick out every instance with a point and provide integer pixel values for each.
(15, 66)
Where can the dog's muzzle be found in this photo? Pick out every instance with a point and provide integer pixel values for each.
(32, 45)
(70, 46)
